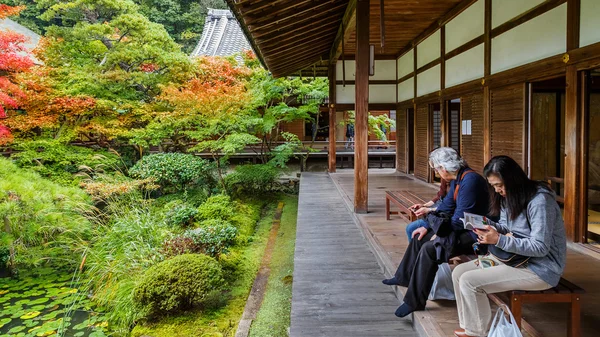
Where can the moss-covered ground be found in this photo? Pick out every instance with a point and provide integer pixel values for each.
(274, 315)
(273, 318)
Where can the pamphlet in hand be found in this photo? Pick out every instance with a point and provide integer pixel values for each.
(474, 221)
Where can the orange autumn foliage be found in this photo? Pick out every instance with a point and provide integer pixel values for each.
(13, 60)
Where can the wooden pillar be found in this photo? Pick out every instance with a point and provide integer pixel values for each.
(573, 152)
(575, 170)
(487, 69)
(361, 132)
(487, 148)
(487, 38)
(332, 121)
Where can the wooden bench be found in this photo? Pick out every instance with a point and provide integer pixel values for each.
(564, 292)
(403, 199)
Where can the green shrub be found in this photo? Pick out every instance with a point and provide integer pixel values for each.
(180, 213)
(252, 179)
(177, 284)
(216, 207)
(176, 171)
(59, 162)
(214, 236)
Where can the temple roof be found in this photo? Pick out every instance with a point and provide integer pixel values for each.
(222, 35)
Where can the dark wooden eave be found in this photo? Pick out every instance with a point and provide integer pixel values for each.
(290, 35)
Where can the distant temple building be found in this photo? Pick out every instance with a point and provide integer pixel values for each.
(222, 35)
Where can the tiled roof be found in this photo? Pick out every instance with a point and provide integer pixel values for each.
(222, 35)
(34, 38)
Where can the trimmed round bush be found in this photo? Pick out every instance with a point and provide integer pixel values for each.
(252, 179)
(178, 284)
(218, 206)
(180, 214)
(175, 170)
(214, 236)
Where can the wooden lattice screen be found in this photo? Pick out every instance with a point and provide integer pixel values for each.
(472, 145)
(401, 140)
(422, 143)
(507, 122)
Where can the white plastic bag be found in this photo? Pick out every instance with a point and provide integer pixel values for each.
(442, 285)
(501, 327)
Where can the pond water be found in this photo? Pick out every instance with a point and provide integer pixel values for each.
(47, 303)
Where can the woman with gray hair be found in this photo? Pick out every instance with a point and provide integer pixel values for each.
(468, 193)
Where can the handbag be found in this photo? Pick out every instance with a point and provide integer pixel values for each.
(510, 259)
(502, 327)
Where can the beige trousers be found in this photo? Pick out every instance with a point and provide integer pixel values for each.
(471, 284)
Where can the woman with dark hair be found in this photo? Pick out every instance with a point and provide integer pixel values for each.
(530, 229)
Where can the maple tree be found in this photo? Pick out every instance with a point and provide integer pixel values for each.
(207, 113)
(14, 59)
(102, 69)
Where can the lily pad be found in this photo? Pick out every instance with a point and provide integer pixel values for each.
(30, 323)
(31, 314)
(16, 329)
(38, 307)
(5, 321)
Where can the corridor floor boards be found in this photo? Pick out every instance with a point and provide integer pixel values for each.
(337, 289)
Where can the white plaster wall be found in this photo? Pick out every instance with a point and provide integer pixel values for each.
(350, 70)
(465, 66)
(406, 90)
(589, 22)
(429, 49)
(384, 70)
(344, 94)
(429, 81)
(504, 10)
(406, 64)
(466, 26)
(382, 93)
(536, 39)
(340, 128)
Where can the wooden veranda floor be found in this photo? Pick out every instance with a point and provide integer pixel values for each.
(337, 289)
(388, 240)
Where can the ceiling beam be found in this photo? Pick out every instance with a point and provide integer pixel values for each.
(287, 13)
(304, 41)
(347, 20)
(293, 26)
(309, 30)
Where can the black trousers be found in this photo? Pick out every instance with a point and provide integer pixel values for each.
(420, 264)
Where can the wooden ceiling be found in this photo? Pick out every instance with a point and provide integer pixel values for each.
(294, 35)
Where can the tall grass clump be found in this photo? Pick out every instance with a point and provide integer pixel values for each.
(127, 240)
(43, 222)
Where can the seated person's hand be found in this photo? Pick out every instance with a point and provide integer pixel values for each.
(415, 207)
(488, 236)
(422, 211)
(419, 233)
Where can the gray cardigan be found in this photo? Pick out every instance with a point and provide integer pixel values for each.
(544, 238)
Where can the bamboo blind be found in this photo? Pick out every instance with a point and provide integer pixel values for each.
(507, 122)
(401, 140)
(422, 143)
(472, 149)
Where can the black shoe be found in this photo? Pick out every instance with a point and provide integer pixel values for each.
(404, 310)
(391, 281)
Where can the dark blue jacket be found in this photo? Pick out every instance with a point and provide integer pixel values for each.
(473, 197)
